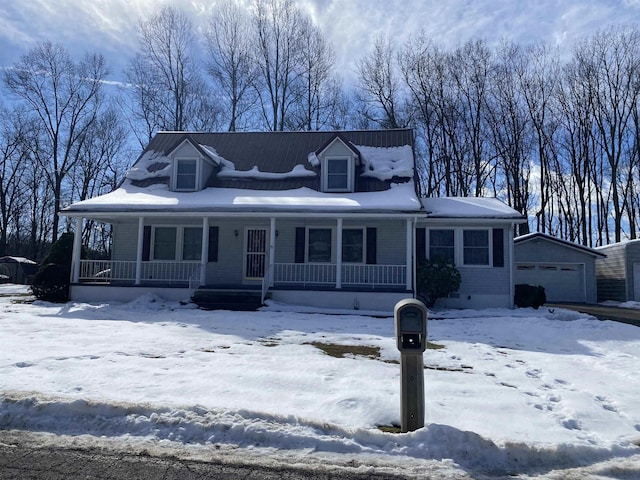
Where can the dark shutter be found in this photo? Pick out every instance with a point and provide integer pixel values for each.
(498, 247)
(300, 244)
(213, 244)
(146, 244)
(421, 244)
(372, 246)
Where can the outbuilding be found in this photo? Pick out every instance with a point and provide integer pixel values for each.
(17, 269)
(566, 270)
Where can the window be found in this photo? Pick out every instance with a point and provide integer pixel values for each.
(192, 243)
(442, 246)
(177, 243)
(338, 175)
(164, 243)
(319, 246)
(186, 174)
(475, 247)
(353, 245)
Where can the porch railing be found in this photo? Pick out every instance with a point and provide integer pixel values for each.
(370, 275)
(305, 274)
(325, 274)
(112, 270)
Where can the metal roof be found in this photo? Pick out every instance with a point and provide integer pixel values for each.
(280, 152)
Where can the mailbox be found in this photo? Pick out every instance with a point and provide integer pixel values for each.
(411, 326)
(410, 317)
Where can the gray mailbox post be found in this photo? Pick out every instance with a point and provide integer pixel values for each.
(410, 317)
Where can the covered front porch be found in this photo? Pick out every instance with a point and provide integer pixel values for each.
(355, 256)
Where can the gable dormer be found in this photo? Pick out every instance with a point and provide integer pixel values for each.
(338, 160)
(191, 166)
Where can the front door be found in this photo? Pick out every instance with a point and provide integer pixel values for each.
(255, 253)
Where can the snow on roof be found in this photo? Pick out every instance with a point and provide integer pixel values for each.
(217, 159)
(255, 173)
(11, 259)
(145, 167)
(468, 207)
(313, 159)
(128, 198)
(384, 163)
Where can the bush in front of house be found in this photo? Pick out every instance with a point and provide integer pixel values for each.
(436, 279)
(51, 282)
(529, 296)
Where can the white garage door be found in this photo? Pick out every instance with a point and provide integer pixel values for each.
(561, 282)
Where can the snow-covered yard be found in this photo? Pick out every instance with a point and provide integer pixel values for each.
(528, 393)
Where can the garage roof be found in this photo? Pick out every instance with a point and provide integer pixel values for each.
(543, 236)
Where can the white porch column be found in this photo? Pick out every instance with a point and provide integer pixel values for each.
(204, 255)
(272, 249)
(339, 255)
(77, 249)
(510, 262)
(409, 250)
(139, 251)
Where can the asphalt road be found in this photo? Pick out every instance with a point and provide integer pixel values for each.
(602, 312)
(23, 457)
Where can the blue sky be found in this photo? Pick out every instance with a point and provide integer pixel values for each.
(109, 26)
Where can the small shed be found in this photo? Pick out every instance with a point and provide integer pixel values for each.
(566, 270)
(618, 275)
(17, 269)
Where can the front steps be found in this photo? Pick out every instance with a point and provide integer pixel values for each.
(227, 299)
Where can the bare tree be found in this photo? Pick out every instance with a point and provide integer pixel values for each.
(510, 127)
(539, 77)
(470, 67)
(15, 129)
(166, 90)
(64, 96)
(613, 60)
(320, 89)
(379, 88)
(230, 41)
(279, 58)
(423, 68)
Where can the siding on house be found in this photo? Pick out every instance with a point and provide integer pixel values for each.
(228, 269)
(482, 285)
(615, 274)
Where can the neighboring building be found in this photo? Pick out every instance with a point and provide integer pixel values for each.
(618, 275)
(566, 270)
(323, 219)
(475, 235)
(17, 269)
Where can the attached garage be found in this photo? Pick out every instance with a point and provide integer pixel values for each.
(565, 270)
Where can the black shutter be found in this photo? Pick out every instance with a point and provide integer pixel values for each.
(498, 247)
(300, 244)
(421, 244)
(213, 244)
(146, 244)
(372, 246)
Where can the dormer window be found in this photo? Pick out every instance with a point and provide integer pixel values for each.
(186, 174)
(338, 174)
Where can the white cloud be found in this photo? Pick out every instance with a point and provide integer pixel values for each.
(109, 26)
